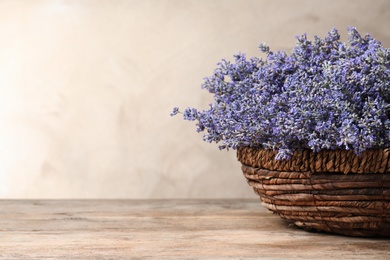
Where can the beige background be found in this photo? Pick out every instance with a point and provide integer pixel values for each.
(86, 88)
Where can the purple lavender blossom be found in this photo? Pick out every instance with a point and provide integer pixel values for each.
(175, 111)
(326, 94)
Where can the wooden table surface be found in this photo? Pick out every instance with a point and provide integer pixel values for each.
(165, 229)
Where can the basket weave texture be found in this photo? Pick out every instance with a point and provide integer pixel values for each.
(331, 191)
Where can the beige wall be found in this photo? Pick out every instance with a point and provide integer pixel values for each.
(86, 88)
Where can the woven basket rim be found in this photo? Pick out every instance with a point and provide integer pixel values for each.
(305, 160)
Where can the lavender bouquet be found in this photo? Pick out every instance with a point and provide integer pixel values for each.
(326, 94)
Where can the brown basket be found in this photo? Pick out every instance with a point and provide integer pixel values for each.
(331, 191)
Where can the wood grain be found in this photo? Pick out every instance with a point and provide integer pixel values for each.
(165, 229)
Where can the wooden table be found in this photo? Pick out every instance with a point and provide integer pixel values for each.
(165, 229)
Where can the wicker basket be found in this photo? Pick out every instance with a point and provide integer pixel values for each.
(331, 191)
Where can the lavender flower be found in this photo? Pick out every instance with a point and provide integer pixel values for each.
(175, 111)
(326, 94)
